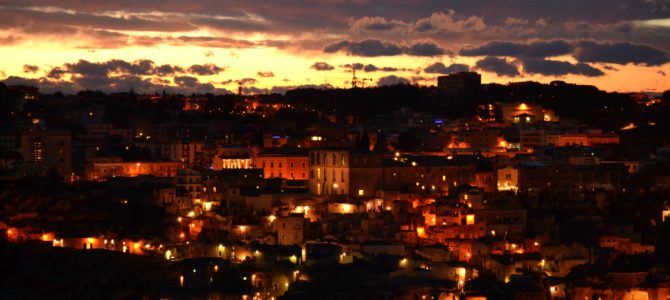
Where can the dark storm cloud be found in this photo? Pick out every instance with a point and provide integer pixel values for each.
(186, 81)
(392, 80)
(424, 49)
(373, 68)
(367, 28)
(142, 75)
(56, 73)
(231, 23)
(559, 68)
(566, 9)
(21, 17)
(494, 49)
(583, 51)
(365, 48)
(356, 66)
(142, 67)
(369, 68)
(99, 36)
(499, 66)
(30, 69)
(435, 23)
(548, 49)
(620, 53)
(435, 17)
(535, 49)
(168, 70)
(322, 66)
(114, 83)
(206, 69)
(373, 48)
(310, 14)
(138, 67)
(440, 68)
(84, 67)
(184, 84)
(106, 83)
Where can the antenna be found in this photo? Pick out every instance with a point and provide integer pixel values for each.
(239, 88)
(364, 80)
(354, 80)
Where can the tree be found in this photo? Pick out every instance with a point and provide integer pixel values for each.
(380, 144)
(363, 142)
(408, 142)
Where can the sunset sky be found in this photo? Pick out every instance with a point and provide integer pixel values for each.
(211, 45)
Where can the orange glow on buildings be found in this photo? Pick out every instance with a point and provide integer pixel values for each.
(421, 232)
(287, 166)
(118, 168)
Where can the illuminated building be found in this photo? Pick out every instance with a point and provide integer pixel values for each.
(290, 229)
(191, 181)
(510, 221)
(329, 172)
(183, 151)
(51, 150)
(480, 139)
(526, 113)
(194, 103)
(625, 245)
(594, 137)
(25, 95)
(342, 208)
(508, 179)
(100, 169)
(220, 163)
(292, 166)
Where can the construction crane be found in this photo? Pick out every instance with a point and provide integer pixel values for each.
(364, 80)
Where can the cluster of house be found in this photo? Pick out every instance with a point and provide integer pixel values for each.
(506, 197)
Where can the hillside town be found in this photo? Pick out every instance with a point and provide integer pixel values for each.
(461, 190)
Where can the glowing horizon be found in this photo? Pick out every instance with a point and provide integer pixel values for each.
(268, 48)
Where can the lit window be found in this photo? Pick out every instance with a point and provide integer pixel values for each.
(361, 192)
(470, 219)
